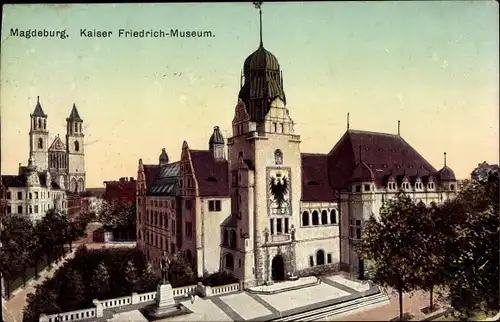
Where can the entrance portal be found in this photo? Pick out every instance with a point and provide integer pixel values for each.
(278, 268)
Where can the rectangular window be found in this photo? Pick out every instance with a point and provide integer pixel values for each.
(311, 261)
(9, 210)
(19, 209)
(367, 187)
(36, 194)
(275, 127)
(358, 222)
(173, 227)
(272, 226)
(20, 195)
(187, 204)
(282, 127)
(36, 209)
(358, 188)
(452, 187)
(286, 225)
(329, 258)
(214, 205)
(358, 233)
(279, 228)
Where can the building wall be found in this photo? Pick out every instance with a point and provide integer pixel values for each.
(34, 201)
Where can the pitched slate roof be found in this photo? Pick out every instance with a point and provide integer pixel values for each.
(150, 172)
(315, 185)
(38, 112)
(383, 153)
(18, 181)
(212, 175)
(166, 182)
(74, 116)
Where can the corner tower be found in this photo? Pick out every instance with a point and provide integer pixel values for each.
(39, 136)
(75, 179)
(265, 165)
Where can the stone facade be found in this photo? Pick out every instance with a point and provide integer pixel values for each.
(268, 211)
(65, 161)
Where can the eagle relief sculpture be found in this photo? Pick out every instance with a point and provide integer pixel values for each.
(279, 188)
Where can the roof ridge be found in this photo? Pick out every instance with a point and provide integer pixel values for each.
(373, 132)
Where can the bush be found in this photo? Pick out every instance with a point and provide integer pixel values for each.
(76, 283)
(218, 279)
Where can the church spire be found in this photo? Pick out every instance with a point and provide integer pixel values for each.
(258, 5)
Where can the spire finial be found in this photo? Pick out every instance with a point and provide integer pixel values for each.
(348, 120)
(38, 99)
(399, 125)
(445, 159)
(258, 5)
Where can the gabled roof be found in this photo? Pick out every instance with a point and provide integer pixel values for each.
(383, 153)
(57, 145)
(166, 182)
(212, 175)
(315, 185)
(38, 112)
(74, 116)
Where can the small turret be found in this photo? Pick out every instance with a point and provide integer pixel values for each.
(163, 158)
(216, 144)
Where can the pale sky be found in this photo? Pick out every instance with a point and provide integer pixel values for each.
(432, 65)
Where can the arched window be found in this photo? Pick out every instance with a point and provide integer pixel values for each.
(333, 216)
(40, 124)
(320, 257)
(44, 124)
(225, 237)
(77, 146)
(315, 219)
(76, 127)
(278, 157)
(232, 239)
(40, 143)
(305, 218)
(324, 217)
(229, 261)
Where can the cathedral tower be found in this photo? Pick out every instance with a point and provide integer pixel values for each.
(39, 136)
(75, 180)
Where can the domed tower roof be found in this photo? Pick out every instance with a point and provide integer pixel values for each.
(163, 157)
(446, 173)
(263, 81)
(216, 137)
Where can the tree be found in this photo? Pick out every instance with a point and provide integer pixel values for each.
(148, 279)
(43, 301)
(431, 248)
(472, 264)
(100, 281)
(389, 243)
(72, 290)
(483, 171)
(119, 215)
(180, 272)
(131, 276)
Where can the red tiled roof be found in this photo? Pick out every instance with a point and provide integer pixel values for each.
(120, 191)
(150, 171)
(212, 175)
(315, 186)
(385, 154)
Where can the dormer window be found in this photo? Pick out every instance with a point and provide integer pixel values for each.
(391, 185)
(418, 185)
(367, 187)
(430, 185)
(406, 185)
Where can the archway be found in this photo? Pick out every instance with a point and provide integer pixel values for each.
(278, 268)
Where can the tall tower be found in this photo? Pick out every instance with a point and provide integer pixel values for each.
(39, 137)
(75, 180)
(265, 164)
